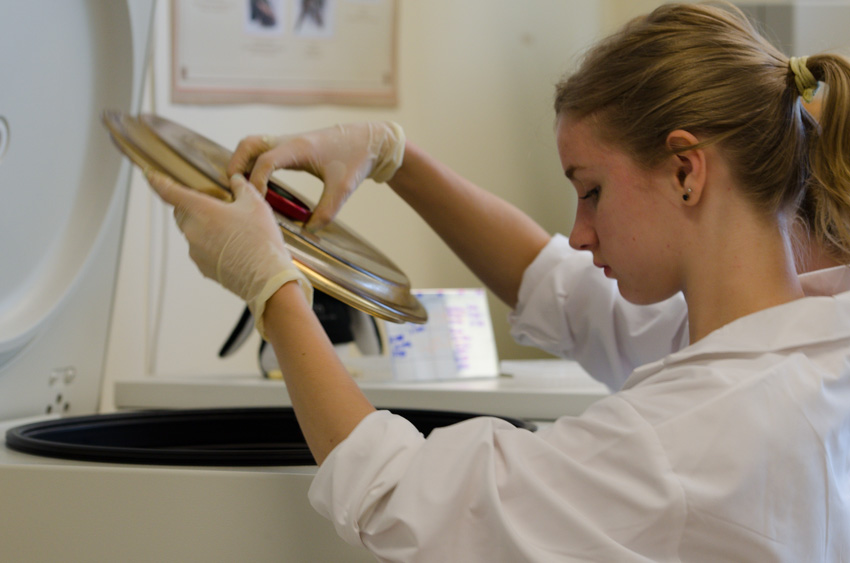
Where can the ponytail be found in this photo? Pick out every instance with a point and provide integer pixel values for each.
(828, 189)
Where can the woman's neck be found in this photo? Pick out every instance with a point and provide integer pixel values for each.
(749, 268)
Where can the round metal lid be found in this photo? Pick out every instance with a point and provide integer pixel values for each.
(334, 259)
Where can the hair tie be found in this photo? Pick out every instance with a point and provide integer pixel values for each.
(806, 82)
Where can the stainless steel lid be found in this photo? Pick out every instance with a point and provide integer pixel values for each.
(334, 259)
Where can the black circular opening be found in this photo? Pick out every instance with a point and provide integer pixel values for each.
(208, 437)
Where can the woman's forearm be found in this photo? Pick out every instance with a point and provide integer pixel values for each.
(326, 401)
(494, 239)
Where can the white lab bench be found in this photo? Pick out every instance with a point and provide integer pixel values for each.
(528, 389)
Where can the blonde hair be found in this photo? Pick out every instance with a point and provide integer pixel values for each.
(705, 69)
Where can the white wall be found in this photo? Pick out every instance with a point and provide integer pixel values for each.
(476, 82)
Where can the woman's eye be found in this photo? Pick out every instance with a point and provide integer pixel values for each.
(591, 194)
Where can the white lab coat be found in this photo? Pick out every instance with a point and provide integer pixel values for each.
(591, 323)
(734, 449)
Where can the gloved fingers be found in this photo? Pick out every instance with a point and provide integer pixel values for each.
(188, 214)
(185, 200)
(171, 191)
(246, 154)
(253, 206)
(292, 153)
(180, 216)
(254, 211)
(340, 182)
(329, 205)
(259, 156)
(341, 156)
(239, 186)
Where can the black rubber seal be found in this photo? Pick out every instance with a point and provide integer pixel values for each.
(198, 437)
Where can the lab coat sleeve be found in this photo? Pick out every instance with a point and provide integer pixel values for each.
(483, 490)
(567, 307)
(362, 470)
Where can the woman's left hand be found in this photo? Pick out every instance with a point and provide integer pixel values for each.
(238, 244)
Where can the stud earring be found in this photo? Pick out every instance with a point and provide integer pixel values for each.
(687, 196)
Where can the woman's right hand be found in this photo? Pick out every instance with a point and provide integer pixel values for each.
(341, 156)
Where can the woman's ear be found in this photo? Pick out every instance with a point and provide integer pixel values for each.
(689, 166)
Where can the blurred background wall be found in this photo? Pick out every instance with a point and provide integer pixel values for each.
(475, 89)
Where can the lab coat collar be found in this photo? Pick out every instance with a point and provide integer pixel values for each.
(804, 322)
(829, 281)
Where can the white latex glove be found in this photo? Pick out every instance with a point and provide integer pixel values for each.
(238, 244)
(341, 156)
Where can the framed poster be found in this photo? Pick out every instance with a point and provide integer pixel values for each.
(284, 51)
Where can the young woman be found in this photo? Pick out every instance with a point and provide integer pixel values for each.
(685, 140)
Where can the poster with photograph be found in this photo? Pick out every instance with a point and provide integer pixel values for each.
(284, 51)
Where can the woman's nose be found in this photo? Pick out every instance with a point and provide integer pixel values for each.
(582, 235)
